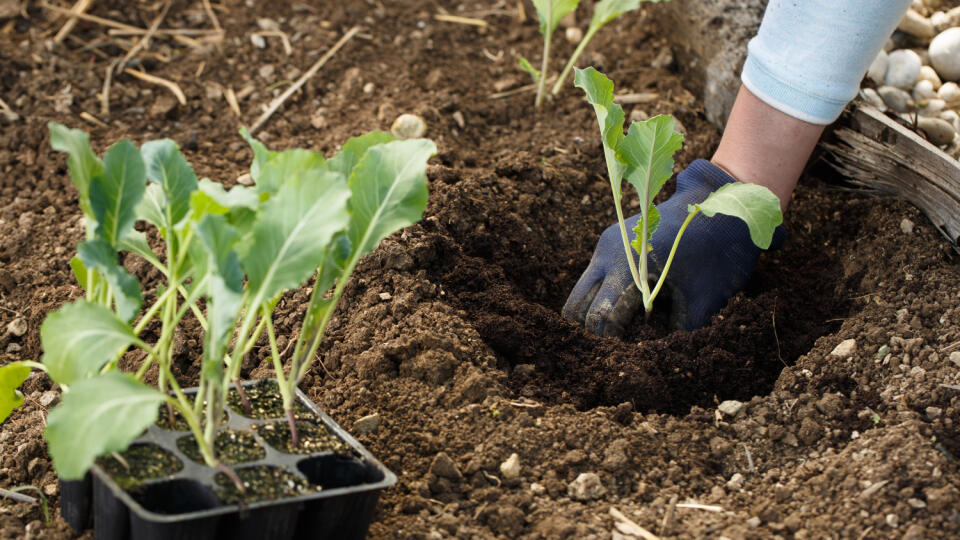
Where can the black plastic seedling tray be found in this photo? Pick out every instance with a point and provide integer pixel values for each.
(184, 505)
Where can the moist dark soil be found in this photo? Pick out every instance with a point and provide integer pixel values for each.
(261, 483)
(451, 330)
(140, 462)
(176, 421)
(230, 447)
(265, 402)
(311, 438)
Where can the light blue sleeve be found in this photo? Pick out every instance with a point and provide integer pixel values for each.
(809, 56)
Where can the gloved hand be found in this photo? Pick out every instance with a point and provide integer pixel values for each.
(713, 262)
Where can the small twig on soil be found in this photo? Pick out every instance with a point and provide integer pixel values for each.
(17, 496)
(231, 99)
(668, 516)
(493, 479)
(105, 91)
(635, 99)
(92, 46)
(865, 533)
(91, 18)
(172, 86)
(303, 79)
(121, 460)
(530, 404)
(93, 120)
(323, 366)
(144, 41)
(775, 336)
(200, 68)
(195, 32)
(244, 401)
(79, 7)
(629, 527)
(4, 106)
(213, 16)
(287, 47)
(521, 13)
(520, 90)
(461, 20)
(950, 346)
(698, 506)
(750, 466)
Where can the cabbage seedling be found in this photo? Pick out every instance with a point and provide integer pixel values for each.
(604, 12)
(228, 257)
(644, 156)
(550, 12)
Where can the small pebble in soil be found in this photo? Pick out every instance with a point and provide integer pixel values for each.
(587, 486)
(940, 132)
(573, 34)
(933, 412)
(945, 54)
(895, 98)
(903, 68)
(949, 92)
(17, 327)
(916, 25)
(736, 482)
(444, 467)
(873, 98)
(845, 349)
(893, 521)
(367, 424)
(537, 489)
(924, 90)
(927, 73)
(731, 408)
(878, 68)
(510, 469)
(955, 358)
(906, 226)
(408, 126)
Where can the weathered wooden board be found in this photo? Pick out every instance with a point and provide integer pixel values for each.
(875, 152)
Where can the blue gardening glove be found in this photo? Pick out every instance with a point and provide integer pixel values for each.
(713, 262)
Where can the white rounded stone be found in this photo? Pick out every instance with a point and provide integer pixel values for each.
(895, 98)
(940, 20)
(952, 117)
(924, 90)
(940, 132)
(408, 126)
(873, 98)
(931, 107)
(916, 25)
(949, 92)
(927, 73)
(945, 54)
(903, 68)
(878, 68)
(573, 34)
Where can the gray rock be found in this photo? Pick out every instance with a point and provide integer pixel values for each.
(903, 69)
(934, 412)
(586, 487)
(895, 98)
(736, 482)
(367, 424)
(940, 132)
(845, 349)
(17, 327)
(945, 54)
(510, 469)
(906, 226)
(444, 467)
(731, 408)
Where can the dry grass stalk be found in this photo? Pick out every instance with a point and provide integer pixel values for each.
(144, 41)
(80, 7)
(93, 119)
(629, 527)
(635, 99)
(153, 79)
(91, 18)
(287, 47)
(303, 79)
(213, 16)
(231, 98)
(105, 91)
(195, 32)
(519, 90)
(4, 106)
(460, 20)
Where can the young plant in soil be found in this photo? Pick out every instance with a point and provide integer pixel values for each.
(644, 156)
(228, 257)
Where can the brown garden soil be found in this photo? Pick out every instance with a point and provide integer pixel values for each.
(451, 330)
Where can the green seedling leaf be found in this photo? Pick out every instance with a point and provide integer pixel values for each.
(528, 67)
(286, 165)
(599, 90)
(551, 12)
(354, 149)
(11, 377)
(151, 206)
(289, 239)
(648, 152)
(136, 242)
(115, 193)
(83, 163)
(653, 221)
(756, 205)
(167, 167)
(608, 10)
(388, 191)
(96, 417)
(225, 289)
(260, 154)
(80, 338)
(212, 198)
(97, 255)
(79, 271)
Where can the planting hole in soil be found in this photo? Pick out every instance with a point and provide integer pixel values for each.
(138, 463)
(177, 497)
(261, 483)
(230, 446)
(313, 438)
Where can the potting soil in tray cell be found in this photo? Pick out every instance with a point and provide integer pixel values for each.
(326, 487)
